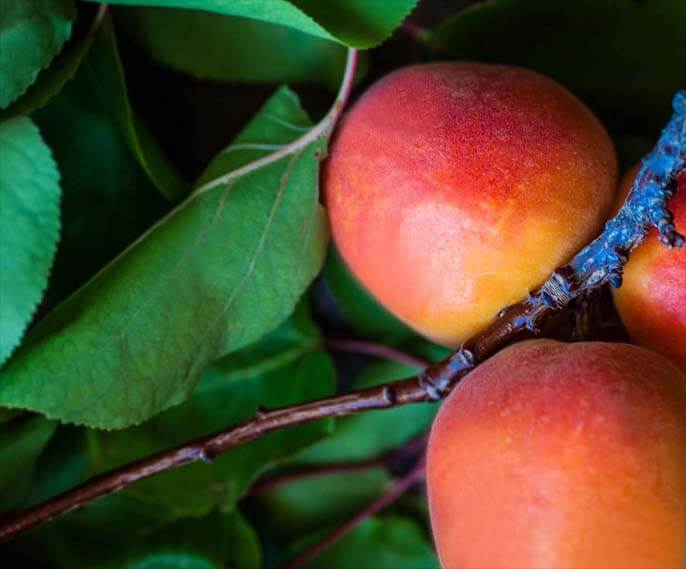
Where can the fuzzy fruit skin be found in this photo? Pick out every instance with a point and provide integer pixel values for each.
(652, 298)
(455, 188)
(562, 455)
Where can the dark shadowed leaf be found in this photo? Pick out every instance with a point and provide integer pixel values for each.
(62, 465)
(385, 542)
(30, 221)
(32, 32)
(122, 532)
(213, 46)
(298, 508)
(625, 58)
(286, 367)
(217, 273)
(357, 23)
(108, 200)
(21, 443)
(106, 82)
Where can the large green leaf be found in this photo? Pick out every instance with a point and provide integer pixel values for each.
(29, 217)
(625, 58)
(21, 443)
(217, 273)
(32, 32)
(356, 23)
(219, 47)
(388, 542)
(284, 368)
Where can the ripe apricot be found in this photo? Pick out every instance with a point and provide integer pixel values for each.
(562, 455)
(652, 298)
(455, 188)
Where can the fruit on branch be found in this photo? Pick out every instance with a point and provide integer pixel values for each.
(652, 298)
(562, 455)
(454, 188)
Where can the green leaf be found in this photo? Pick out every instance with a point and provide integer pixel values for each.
(389, 542)
(21, 443)
(356, 23)
(29, 216)
(358, 307)
(109, 84)
(62, 465)
(304, 506)
(32, 32)
(368, 435)
(216, 541)
(284, 368)
(217, 273)
(108, 200)
(211, 46)
(625, 58)
(51, 81)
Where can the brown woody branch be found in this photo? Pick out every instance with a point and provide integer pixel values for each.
(598, 264)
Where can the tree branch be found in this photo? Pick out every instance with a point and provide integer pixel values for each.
(599, 263)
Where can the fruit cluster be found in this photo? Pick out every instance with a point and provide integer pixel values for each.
(453, 190)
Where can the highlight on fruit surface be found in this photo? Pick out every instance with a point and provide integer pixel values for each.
(652, 298)
(455, 188)
(562, 455)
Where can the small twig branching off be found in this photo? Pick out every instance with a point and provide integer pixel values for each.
(599, 263)
(397, 489)
(376, 350)
(388, 460)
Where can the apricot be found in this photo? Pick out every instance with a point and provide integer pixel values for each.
(562, 455)
(455, 188)
(652, 299)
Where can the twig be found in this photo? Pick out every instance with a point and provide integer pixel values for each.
(398, 488)
(386, 460)
(378, 350)
(310, 472)
(599, 263)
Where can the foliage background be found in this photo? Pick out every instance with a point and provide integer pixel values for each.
(219, 304)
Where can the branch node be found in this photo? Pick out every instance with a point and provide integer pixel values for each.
(261, 413)
(390, 395)
(206, 456)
